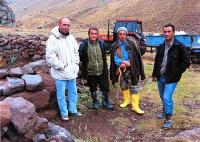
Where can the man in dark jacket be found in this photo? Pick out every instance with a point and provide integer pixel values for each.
(172, 59)
(125, 56)
(94, 69)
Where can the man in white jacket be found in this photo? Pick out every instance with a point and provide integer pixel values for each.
(63, 57)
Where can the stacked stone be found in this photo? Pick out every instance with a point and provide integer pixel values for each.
(23, 91)
(25, 82)
(14, 47)
(7, 16)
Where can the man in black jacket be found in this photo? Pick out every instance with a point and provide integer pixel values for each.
(94, 69)
(126, 56)
(172, 59)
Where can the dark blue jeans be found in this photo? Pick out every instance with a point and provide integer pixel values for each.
(166, 91)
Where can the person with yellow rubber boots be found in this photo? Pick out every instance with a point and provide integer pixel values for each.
(126, 62)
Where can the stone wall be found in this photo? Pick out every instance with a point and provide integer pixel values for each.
(14, 47)
(24, 91)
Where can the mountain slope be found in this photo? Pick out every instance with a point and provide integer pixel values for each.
(84, 13)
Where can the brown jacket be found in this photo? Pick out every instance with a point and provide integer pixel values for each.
(137, 68)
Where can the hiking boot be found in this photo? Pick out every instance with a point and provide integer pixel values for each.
(167, 124)
(107, 105)
(95, 105)
(105, 102)
(160, 115)
(65, 118)
(95, 101)
(78, 114)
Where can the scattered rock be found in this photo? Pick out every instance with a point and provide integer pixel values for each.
(60, 132)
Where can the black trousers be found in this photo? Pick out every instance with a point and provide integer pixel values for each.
(94, 81)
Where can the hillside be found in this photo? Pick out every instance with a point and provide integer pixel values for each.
(84, 13)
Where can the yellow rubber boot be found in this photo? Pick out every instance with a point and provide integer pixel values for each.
(135, 103)
(126, 95)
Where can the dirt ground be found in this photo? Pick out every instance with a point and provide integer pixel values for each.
(122, 124)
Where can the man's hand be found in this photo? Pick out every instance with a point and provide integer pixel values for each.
(122, 65)
(154, 78)
(127, 63)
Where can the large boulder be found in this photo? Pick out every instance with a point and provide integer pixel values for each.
(39, 98)
(23, 114)
(5, 112)
(33, 82)
(11, 86)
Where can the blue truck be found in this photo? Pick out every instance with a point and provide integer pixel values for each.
(192, 42)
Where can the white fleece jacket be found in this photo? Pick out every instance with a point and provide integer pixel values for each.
(62, 55)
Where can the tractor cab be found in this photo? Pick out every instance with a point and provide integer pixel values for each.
(131, 25)
(134, 27)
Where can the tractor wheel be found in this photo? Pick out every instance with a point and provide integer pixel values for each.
(139, 44)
